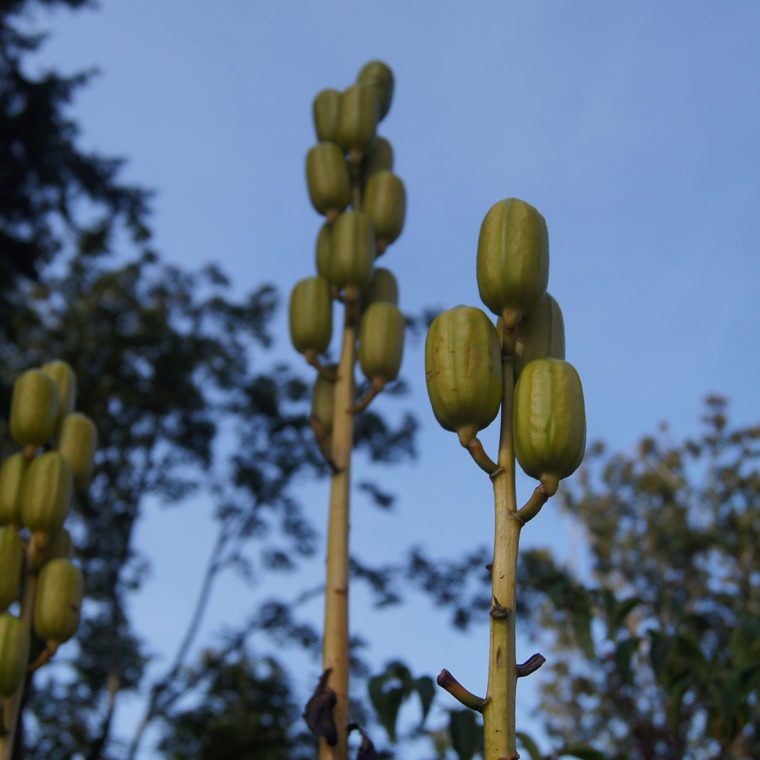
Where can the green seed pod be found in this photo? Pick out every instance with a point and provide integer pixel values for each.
(549, 421)
(382, 288)
(60, 546)
(324, 248)
(11, 564)
(11, 486)
(353, 251)
(323, 401)
(541, 335)
(463, 370)
(385, 204)
(311, 315)
(379, 158)
(513, 259)
(14, 653)
(326, 109)
(77, 441)
(47, 493)
(357, 120)
(381, 342)
(327, 179)
(66, 382)
(379, 76)
(58, 602)
(34, 408)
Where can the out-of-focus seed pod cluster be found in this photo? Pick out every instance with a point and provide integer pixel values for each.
(349, 174)
(40, 588)
(350, 180)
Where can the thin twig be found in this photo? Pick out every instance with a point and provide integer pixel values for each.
(44, 657)
(446, 681)
(533, 506)
(531, 665)
(372, 393)
(212, 568)
(478, 453)
(314, 361)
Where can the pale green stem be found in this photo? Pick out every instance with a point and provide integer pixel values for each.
(499, 708)
(335, 654)
(12, 705)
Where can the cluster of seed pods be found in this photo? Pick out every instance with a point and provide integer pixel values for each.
(351, 183)
(474, 370)
(36, 488)
(464, 351)
(350, 178)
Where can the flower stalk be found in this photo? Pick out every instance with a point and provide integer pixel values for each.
(340, 169)
(335, 645)
(501, 695)
(475, 371)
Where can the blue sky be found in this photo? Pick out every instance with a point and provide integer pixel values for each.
(633, 127)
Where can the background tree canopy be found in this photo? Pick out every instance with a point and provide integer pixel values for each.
(174, 372)
(653, 642)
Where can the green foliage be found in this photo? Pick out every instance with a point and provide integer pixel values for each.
(674, 607)
(391, 688)
(466, 732)
(245, 709)
(175, 372)
(526, 743)
(46, 178)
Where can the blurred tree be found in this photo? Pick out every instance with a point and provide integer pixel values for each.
(175, 372)
(245, 710)
(655, 651)
(165, 364)
(50, 189)
(660, 655)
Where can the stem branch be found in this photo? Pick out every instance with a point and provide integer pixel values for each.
(314, 361)
(531, 665)
(446, 681)
(374, 391)
(478, 453)
(533, 506)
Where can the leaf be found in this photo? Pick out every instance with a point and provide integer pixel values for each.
(674, 701)
(388, 691)
(581, 752)
(466, 734)
(380, 498)
(582, 628)
(621, 612)
(529, 745)
(623, 654)
(426, 690)
(658, 652)
(745, 643)
(748, 679)
(396, 669)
